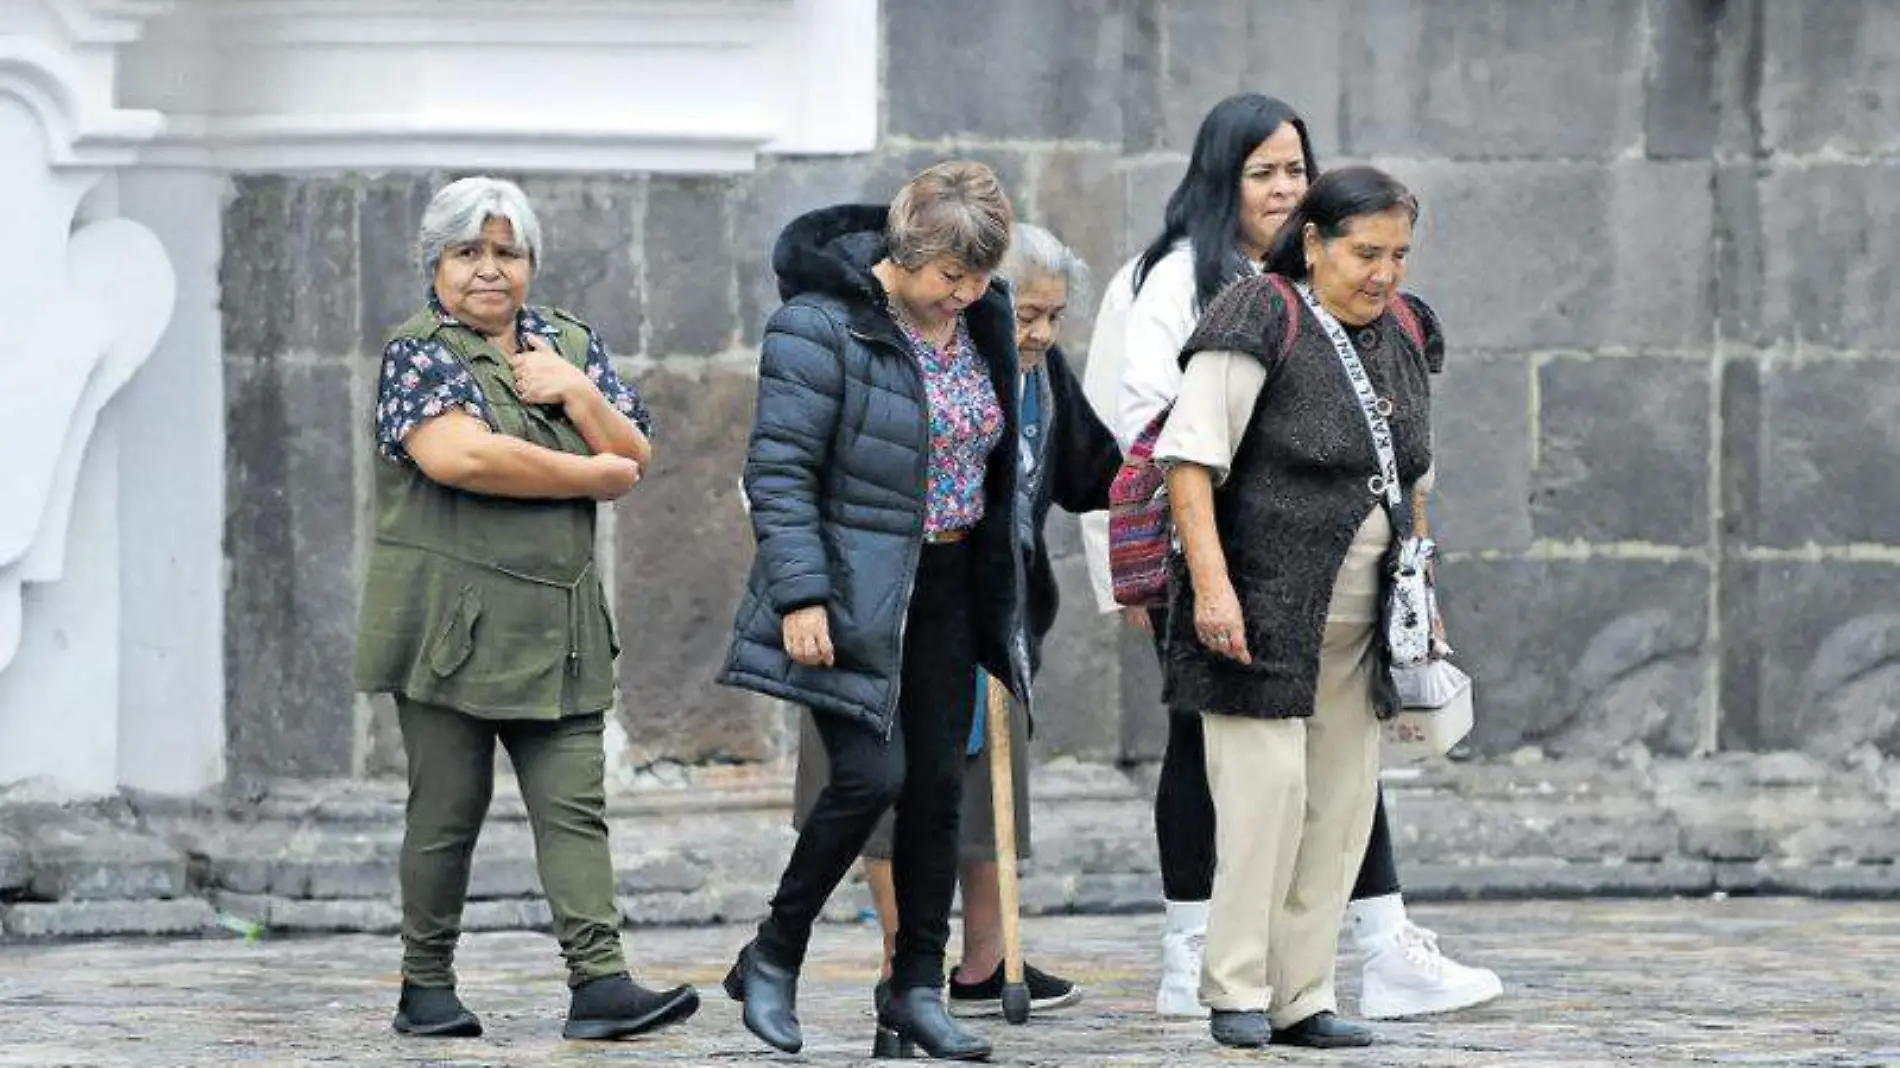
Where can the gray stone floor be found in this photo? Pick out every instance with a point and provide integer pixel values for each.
(1760, 981)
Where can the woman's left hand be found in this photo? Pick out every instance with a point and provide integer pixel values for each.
(543, 377)
(1218, 621)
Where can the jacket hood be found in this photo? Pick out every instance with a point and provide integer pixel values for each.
(831, 251)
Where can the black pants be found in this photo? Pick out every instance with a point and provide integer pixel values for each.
(919, 771)
(1184, 813)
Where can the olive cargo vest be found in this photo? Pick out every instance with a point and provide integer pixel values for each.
(488, 605)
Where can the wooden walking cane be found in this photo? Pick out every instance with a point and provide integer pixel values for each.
(1003, 808)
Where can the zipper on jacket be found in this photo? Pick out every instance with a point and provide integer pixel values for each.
(917, 536)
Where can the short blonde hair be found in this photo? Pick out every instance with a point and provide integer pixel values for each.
(953, 209)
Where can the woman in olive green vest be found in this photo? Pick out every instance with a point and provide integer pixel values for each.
(498, 426)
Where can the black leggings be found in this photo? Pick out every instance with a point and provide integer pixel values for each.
(919, 769)
(1184, 814)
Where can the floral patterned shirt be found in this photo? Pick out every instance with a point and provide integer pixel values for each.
(423, 379)
(966, 422)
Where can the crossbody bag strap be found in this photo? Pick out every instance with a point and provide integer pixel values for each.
(1386, 482)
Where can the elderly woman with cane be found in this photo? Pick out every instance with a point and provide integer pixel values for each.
(882, 476)
(499, 426)
(1068, 458)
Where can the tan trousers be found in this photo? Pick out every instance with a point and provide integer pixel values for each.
(1293, 809)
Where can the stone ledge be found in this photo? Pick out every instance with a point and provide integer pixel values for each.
(705, 846)
(90, 919)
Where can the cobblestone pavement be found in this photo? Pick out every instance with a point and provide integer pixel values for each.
(1743, 981)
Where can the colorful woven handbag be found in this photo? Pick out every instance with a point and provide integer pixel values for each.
(1140, 530)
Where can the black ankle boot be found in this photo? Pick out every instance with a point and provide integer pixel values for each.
(770, 996)
(434, 1012)
(915, 1017)
(614, 1006)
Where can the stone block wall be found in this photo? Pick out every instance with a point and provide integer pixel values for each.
(1657, 231)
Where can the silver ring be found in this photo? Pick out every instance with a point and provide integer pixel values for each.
(1385, 406)
(1376, 484)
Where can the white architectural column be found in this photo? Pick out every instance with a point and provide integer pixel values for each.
(171, 501)
(85, 295)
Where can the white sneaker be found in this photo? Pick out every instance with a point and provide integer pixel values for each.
(1182, 948)
(1405, 975)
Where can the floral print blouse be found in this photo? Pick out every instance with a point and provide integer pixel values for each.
(966, 422)
(422, 379)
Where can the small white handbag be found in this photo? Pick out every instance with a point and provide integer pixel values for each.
(1436, 712)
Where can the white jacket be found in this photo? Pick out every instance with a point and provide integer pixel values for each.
(1160, 320)
(1101, 385)
(1134, 372)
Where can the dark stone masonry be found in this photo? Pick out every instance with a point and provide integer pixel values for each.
(1658, 233)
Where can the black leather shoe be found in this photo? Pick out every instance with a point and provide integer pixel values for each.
(614, 1006)
(1240, 1028)
(914, 1018)
(1323, 1030)
(770, 996)
(434, 1012)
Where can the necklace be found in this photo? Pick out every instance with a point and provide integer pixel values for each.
(911, 325)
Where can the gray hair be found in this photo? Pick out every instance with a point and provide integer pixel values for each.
(1035, 253)
(457, 212)
(956, 209)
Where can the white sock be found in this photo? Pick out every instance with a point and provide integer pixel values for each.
(1186, 917)
(1373, 917)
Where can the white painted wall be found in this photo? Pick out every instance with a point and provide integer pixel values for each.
(85, 295)
(695, 86)
(59, 697)
(171, 503)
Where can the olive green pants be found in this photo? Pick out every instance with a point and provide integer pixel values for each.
(561, 768)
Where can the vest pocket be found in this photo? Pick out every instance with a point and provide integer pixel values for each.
(613, 632)
(454, 640)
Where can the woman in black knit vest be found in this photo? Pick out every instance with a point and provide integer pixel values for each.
(1277, 499)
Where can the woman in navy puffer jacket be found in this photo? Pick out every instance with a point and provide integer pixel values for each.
(882, 476)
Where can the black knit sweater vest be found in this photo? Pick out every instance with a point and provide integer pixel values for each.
(1299, 489)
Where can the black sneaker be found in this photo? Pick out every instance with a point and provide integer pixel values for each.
(434, 1012)
(1046, 992)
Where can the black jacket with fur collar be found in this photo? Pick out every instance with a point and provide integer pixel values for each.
(835, 475)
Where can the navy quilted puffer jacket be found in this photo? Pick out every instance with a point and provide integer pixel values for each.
(835, 474)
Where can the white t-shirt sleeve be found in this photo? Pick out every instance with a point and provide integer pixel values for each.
(1210, 417)
(1159, 324)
